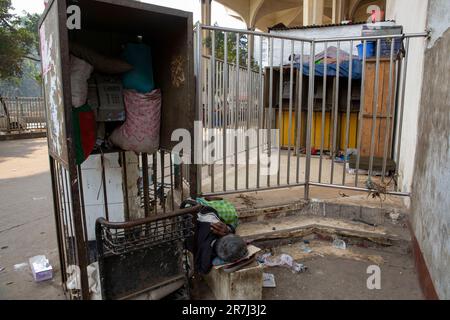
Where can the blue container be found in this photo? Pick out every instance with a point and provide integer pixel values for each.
(370, 49)
(139, 55)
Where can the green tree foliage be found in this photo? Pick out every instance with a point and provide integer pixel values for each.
(18, 41)
(231, 48)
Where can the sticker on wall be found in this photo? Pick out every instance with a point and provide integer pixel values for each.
(177, 72)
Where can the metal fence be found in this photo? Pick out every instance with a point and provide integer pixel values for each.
(337, 116)
(22, 114)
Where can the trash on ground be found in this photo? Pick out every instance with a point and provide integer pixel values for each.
(20, 266)
(2, 269)
(395, 216)
(339, 244)
(305, 248)
(39, 198)
(269, 280)
(74, 280)
(41, 268)
(283, 260)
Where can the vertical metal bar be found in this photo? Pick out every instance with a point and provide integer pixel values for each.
(309, 121)
(213, 102)
(260, 113)
(349, 101)
(225, 110)
(280, 110)
(324, 103)
(172, 180)
(250, 40)
(222, 83)
(207, 93)
(375, 107)
(155, 182)
(291, 94)
(63, 210)
(269, 122)
(218, 94)
(237, 108)
(145, 184)
(394, 106)
(83, 208)
(19, 114)
(299, 112)
(199, 108)
(361, 111)
(402, 107)
(163, 186)
(125, 185)
(336, 112)
(105, 192)
(389, 106)
(57, 215)
(68, 214)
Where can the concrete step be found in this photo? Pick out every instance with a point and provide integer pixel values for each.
(367, 214)
(290, 229)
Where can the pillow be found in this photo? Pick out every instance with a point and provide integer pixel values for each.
(80, 72)
(139, 55)
(101, 63)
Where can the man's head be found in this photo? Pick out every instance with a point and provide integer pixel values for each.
(231, 248)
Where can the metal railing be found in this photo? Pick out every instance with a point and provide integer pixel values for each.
(349, 139)
(22, 114)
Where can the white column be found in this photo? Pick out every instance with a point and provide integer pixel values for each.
(318, 8)
(307, 12)
(206, 20)
(340, 8)
(313, 12)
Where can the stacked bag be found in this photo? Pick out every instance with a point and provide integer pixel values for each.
(140, 131)
(83, 118)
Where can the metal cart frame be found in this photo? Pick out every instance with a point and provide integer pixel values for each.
(133, 256)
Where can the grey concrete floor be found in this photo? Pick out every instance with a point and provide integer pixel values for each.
(340, 276)
(26, 219)
(336, 278)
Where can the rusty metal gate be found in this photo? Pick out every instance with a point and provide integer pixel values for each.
(278, 111)
(22, 114)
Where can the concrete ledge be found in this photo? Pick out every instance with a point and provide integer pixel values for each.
(245, 284)
(336, 210)
(27, 135)
(289, 229)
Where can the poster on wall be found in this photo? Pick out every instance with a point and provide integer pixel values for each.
(53, 84)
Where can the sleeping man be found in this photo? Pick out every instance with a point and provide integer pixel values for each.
(215, 233)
